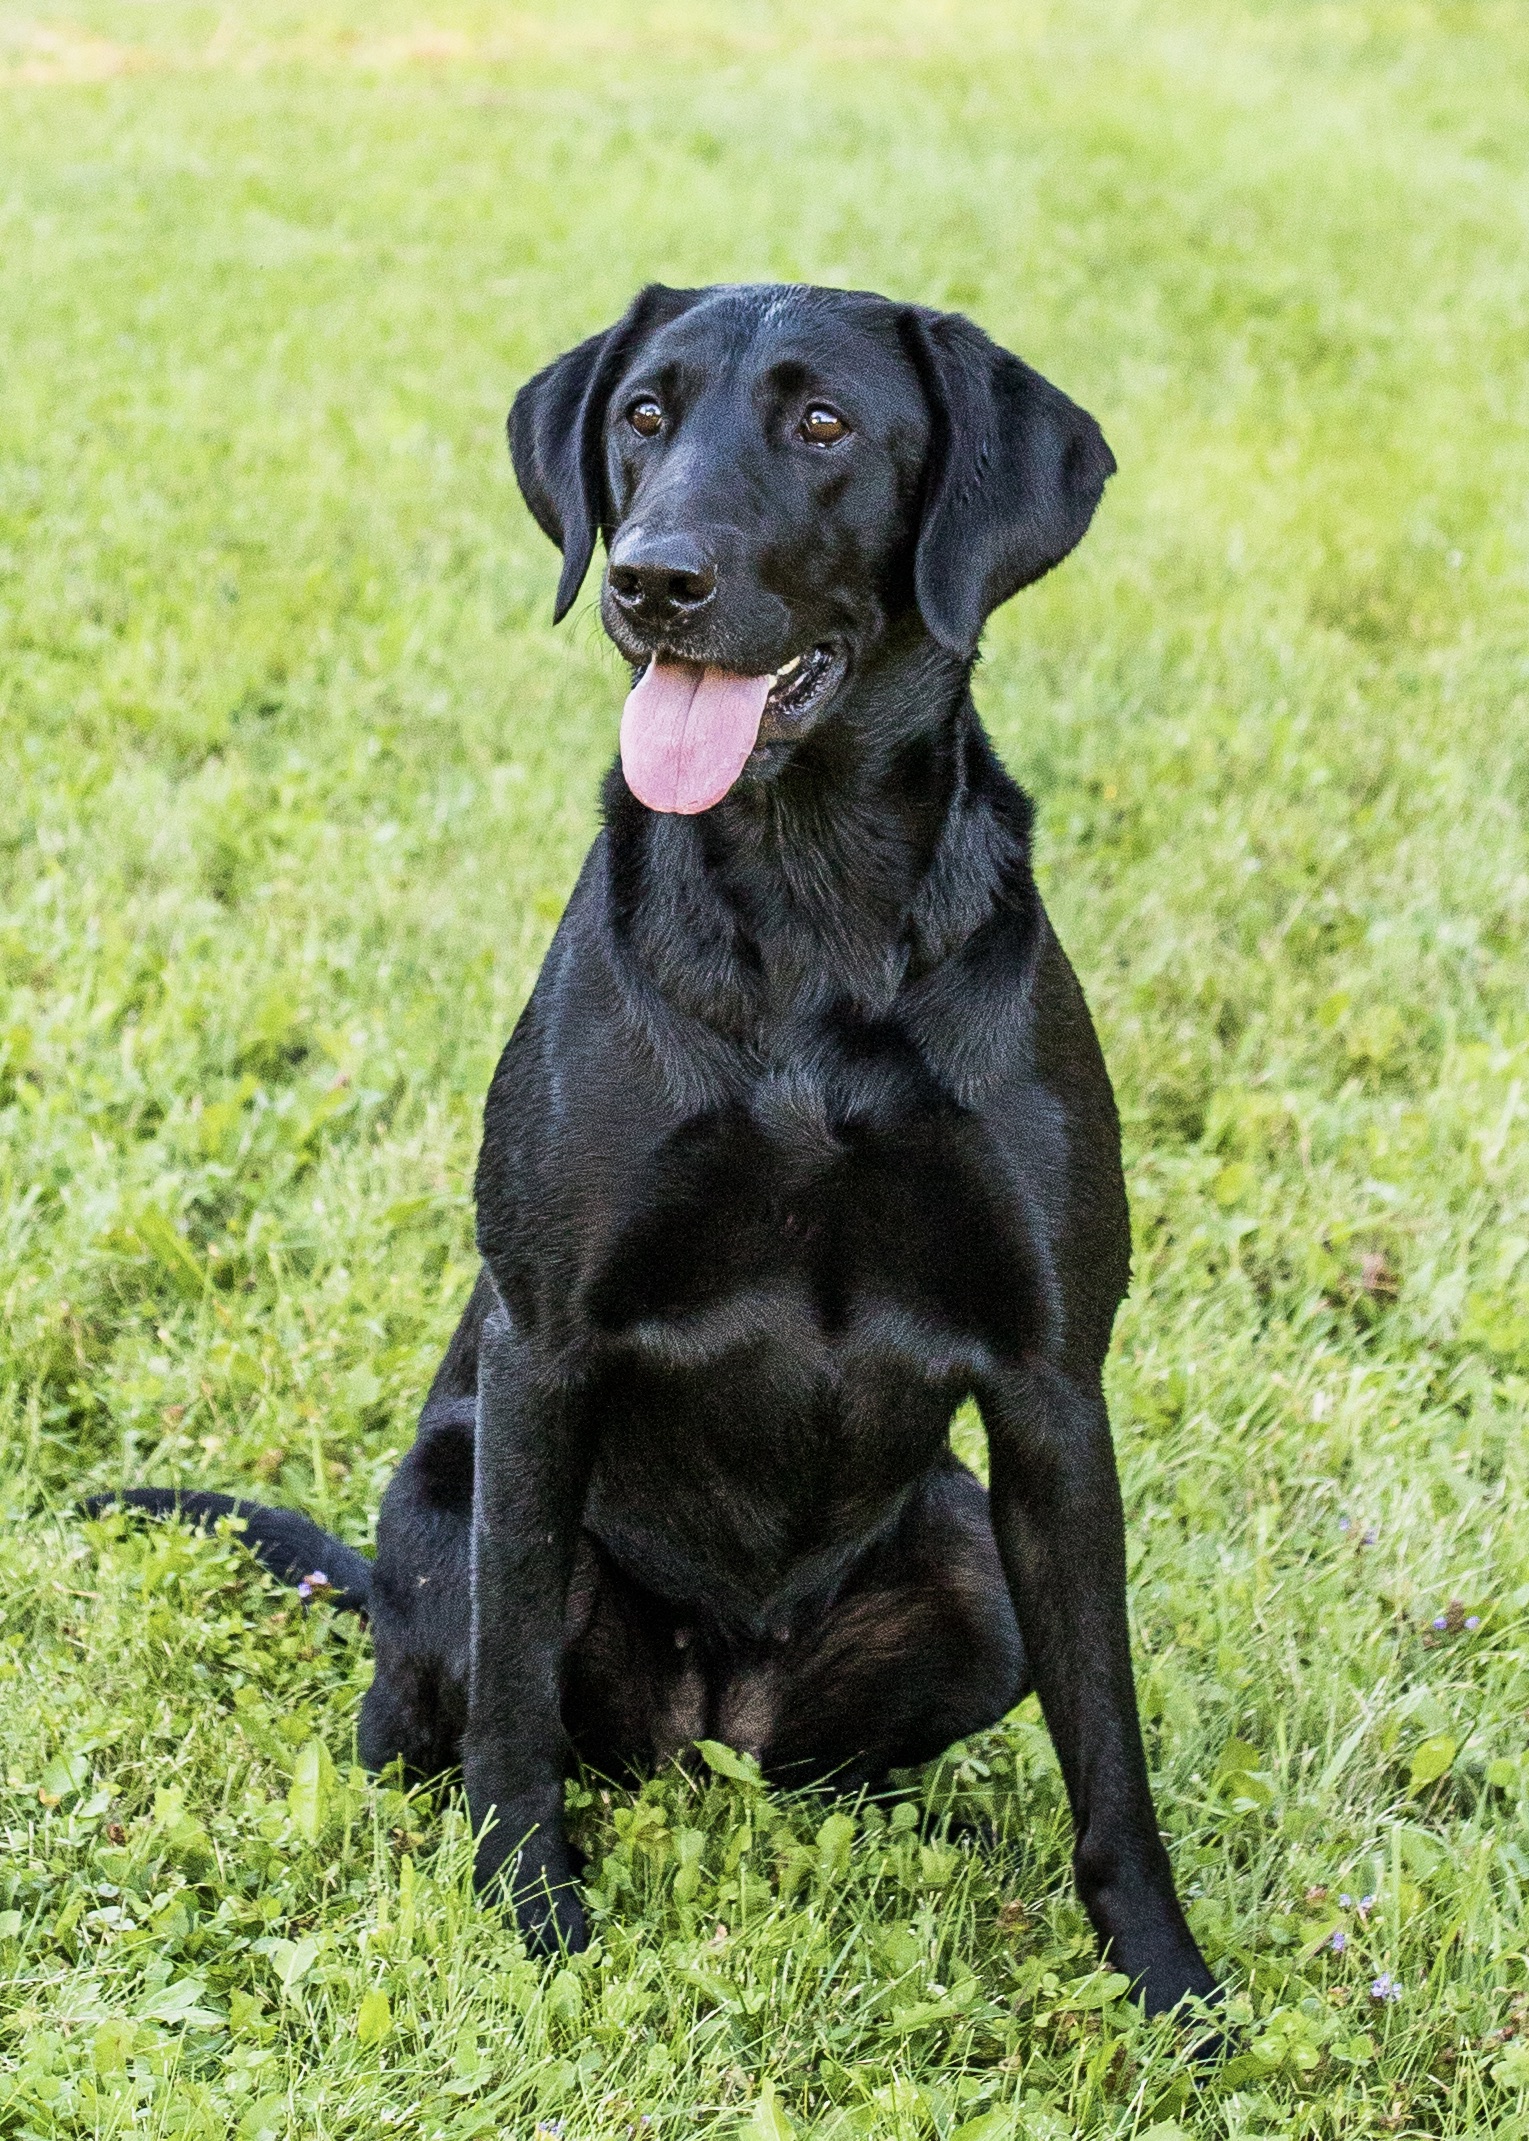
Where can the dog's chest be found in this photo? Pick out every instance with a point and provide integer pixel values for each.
(783, 1336)
(897, 1247)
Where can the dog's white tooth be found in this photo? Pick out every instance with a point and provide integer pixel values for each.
(786, 668)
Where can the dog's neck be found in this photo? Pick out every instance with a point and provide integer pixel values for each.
(867, 860)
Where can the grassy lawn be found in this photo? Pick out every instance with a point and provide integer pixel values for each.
(294, 778)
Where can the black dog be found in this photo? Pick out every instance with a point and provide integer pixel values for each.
(803, 1137)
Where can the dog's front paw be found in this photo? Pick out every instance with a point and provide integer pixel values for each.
(551, 1920)
(1171, 1978)
(539, 1886)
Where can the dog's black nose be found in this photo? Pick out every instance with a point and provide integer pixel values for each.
(660, 579)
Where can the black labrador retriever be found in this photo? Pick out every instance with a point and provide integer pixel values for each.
(803, 1138)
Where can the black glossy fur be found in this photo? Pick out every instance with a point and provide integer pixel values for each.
(803, 1137)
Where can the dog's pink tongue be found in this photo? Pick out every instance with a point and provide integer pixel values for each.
(686, 732)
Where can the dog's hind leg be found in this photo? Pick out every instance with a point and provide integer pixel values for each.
(422, 1599)
(635, 1679)
(920, 1649)
(421, 1585)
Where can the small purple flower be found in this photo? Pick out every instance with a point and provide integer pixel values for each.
(1385, 1988)
(1472, 1622)
(1345, 1523)
(1372, 1534)
(305, 1590)
(1339, 1943)
(1366, 1905)
(1440, 1620)
(1345, 1903)
(548, 2130)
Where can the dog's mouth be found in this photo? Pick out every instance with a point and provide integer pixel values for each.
(688, 730)
(799, 686)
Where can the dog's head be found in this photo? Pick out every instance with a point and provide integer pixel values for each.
(780, 474)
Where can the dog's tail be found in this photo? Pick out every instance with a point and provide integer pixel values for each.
(286, 1542)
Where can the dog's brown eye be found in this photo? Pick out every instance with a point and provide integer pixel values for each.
(822, 426)
(646, 417)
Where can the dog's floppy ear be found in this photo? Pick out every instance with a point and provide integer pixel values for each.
(556, 425)
(1015, 471)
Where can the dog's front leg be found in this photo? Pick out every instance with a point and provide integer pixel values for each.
(1056, 1510)
(530, 1475)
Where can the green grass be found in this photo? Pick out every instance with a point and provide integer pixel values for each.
(295, 779)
